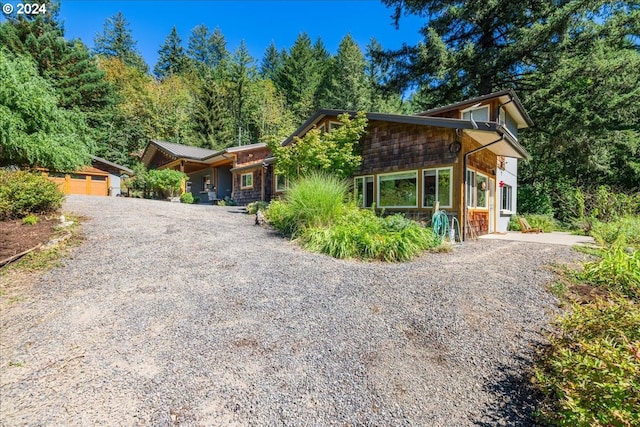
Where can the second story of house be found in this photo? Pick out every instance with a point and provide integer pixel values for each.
(502, 107)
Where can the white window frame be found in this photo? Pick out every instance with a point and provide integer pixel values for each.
(379, 196)
(322, 128)
(507, 190)
(362, 190)
(470, 190)
(502, 121)
(286, 183)
(471, 109)
(206, 183)
(243, 185)
(437, 171)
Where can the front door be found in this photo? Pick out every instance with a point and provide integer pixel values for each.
(492, 205)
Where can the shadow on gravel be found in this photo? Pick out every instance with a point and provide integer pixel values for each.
(515, 396)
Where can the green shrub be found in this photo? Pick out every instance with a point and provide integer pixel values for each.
(626, 228)
(30, 220)
(359, 233)
(187, 198)
(315, 212)
(254, 207)
(167, 182)
(618, 271)
(23, 193)
(546, 222)
(534, 199)
(590, 375)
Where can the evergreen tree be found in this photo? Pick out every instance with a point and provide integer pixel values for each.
(347, 82)
(173, 59)
(242, 74)
(207, 49)
(34, 131)
(213, 121)
(272, 62)
(382, 97)
(116, 41)
(300, 77)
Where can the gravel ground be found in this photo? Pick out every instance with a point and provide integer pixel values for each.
(174, 314)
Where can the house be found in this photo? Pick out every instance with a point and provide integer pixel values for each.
(102, 178)
(462, 157)
(238, 173)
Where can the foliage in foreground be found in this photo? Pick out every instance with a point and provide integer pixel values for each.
(23, 193)
(167, 182)
(254, 207)
(545, 222)
(315, 212)
(187, 198)
(591, 373)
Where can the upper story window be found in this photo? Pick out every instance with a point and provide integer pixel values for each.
(479, 114)
(507, 121)
(322, 128)
(334, 125)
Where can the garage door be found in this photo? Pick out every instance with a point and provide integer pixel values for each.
(93, 185)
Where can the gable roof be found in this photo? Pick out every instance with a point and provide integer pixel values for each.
(188, 152)
(483, 132)
(111, 167)
(507, 97)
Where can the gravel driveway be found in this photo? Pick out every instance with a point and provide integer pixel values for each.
(180, 314)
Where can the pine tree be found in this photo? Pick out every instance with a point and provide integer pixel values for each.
(347, 82)
(173, 59)
(242, 74)
(382, 97)
(116, 41)
(213, 121)
(300, 77)
(272, 62)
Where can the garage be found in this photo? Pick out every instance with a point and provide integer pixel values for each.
(91, 182)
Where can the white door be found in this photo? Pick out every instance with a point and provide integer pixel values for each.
(492, 205)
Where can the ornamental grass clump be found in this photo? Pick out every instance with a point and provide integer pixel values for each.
(315, 212)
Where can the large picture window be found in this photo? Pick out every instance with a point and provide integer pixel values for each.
(437, 186)
(398, 190)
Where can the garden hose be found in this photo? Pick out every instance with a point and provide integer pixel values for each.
(442, 228)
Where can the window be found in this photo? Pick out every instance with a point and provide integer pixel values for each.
(437, 186)
(398, 190)
(322, 128)
(282, 183)
(476, 191)
(206, 182)
(480, 114)
(507, 122)
(482, 186)
(471, 195)
(506, 198)
(246, 180)
(363, 191)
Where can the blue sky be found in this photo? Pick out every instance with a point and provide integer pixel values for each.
(257, 22)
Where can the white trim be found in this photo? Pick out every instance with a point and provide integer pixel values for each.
(486, 191)
(363, 189)
(286, 182)
(246, 187)
(476, 108)
(437, 170)
(334, 125)
(378, 199)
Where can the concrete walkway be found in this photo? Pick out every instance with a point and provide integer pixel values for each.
(554, 238)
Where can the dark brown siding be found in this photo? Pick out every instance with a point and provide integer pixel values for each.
(390, 147)
(250, 156)
(246, 196)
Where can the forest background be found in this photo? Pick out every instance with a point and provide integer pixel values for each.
(574, 64)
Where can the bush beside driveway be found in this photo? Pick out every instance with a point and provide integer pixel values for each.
(173, 313)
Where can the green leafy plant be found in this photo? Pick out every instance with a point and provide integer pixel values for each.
(167, 182)
(23, 193)
(626, 228)
(254, 207)
(187, 198)
(618, 270)
(30, 219)
(590, 372)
